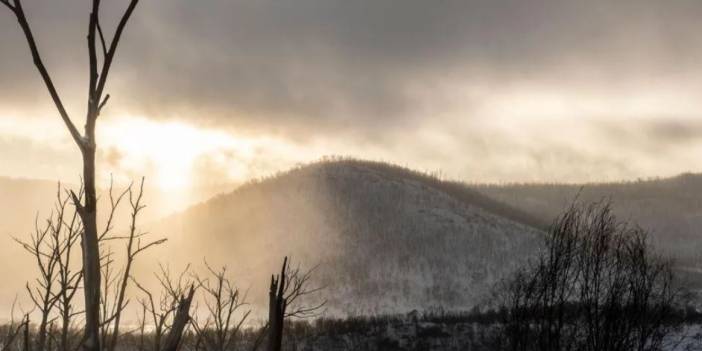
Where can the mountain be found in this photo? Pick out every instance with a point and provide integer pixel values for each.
(385, 239)
(670, 208)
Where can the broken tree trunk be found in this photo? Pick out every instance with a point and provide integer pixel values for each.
(276, 310)
(180, 321)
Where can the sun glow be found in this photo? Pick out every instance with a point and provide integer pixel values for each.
(170, 150)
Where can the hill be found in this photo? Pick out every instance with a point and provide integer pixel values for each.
(670, 208)
(386, 239)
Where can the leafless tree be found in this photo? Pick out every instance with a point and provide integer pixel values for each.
(51, 245)
(180, 321)
(108, 293)
(223, 301)
(98, 45)
(69, 278)
(44, 247)
(169, 314)
(596, 286)
(286, 295)
(134, 246)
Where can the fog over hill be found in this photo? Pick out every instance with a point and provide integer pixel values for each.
(671, 208)
(386, 239)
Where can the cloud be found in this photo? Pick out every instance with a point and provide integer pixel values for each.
(386, 77)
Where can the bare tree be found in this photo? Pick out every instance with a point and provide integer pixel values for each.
(87, 209)
(223, 301)
(597, 286)
(51, 246)
(134, 247)
(286, 293)
(180, 321)
(108, 293)
(44, 247)
(69, 279)
(169, 314)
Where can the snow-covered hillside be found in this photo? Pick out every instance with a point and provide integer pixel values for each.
(670, 208)
(386, 239)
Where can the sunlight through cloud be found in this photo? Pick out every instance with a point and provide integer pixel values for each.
(170, 148)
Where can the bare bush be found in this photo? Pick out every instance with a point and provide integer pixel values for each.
(596, 286)
(167, 313)
(220, 329)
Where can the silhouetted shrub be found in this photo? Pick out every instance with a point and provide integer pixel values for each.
(596, 286)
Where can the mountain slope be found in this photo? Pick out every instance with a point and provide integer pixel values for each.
(386, 239)
(670, 208)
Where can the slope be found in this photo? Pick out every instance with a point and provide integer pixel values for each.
(386, 239)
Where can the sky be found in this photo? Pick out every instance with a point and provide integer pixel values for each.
(222, 91)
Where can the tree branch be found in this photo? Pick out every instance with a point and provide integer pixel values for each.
(113, 47)
(22, 19)
(7, 3)
(77, 204)
(93, 98)
(102, 37)
(103, 103)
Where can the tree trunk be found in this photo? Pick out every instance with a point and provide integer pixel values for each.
(91, 252)
(41, 332)
(26, 346)
(87, 145)
(276, 310)
(180, 321)
(65, 329)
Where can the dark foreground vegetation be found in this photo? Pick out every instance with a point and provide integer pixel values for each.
(415, 331)
(596, 286)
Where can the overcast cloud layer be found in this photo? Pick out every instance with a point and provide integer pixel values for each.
(487, 90)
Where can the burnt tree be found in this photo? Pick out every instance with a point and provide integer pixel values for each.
(170, 313)
(284, 301)
(224, 303)
(596, 286)
(86, 142)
